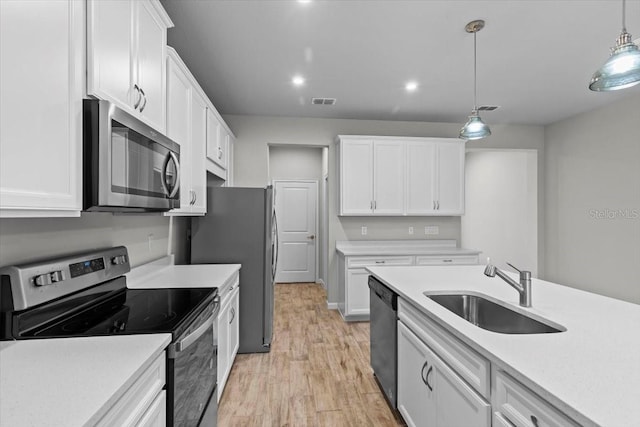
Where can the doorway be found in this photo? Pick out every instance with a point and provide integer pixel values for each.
(298, 174)
(501, 207)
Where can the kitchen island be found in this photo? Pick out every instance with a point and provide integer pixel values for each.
(588, 373)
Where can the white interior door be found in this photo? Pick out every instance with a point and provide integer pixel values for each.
(296, 210)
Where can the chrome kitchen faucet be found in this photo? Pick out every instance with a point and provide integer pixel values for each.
(523, 288)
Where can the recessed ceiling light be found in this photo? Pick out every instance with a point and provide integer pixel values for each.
(411, 86)
(297, 80)
(304, 1)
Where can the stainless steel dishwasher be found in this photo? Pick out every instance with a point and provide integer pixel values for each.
(383, 303)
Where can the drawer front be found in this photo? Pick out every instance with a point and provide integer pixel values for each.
(447, 260)
(467, 363)
(228, 287)
(372, 261)
(133, 404)
(522, 407)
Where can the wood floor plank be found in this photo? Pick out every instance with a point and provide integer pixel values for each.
(316, 374)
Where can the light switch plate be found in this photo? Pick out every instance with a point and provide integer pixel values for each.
(364, 230)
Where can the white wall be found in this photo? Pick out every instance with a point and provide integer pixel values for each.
(295, 162)
(27, 239)
(592, 197)
(501, 207)
(255, 133)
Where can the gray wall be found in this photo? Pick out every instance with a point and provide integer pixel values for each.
(592, 196)
(251, 154)
(295, 162)
(27, 239)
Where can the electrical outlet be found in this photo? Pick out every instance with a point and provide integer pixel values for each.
(431, 230)
(364, 230)
(410, 230)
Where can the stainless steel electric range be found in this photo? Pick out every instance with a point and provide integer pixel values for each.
(86, 295)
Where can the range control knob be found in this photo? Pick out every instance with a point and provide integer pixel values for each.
(56, 276)
(42, 279)
(118, 260)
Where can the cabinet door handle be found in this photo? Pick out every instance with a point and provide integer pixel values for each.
(375, 205)
(371, 205)
(145, 100)
(233, 315)
(534, 420)
(138, 98)
(434, 205)
(422, 375)
(427, 378)
(437, 203)
(195, 197)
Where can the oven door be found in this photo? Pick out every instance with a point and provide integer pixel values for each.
(128, 165)
(192, 373)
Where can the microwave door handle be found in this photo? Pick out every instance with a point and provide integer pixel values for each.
(170, 193)
(183, 344)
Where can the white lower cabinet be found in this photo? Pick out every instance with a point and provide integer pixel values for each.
(228, 332)
(144, 403)
(430, 393)
(353, 277)
(516, 405)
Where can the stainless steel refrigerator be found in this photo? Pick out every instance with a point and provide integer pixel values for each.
(240, 228)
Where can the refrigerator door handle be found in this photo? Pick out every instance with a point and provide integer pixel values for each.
(274, 266)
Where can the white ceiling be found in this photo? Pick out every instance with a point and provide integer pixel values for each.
(535, 58)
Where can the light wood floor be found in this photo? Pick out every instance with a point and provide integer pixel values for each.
(317, 373)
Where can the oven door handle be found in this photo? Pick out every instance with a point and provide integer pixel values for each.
(184, 343)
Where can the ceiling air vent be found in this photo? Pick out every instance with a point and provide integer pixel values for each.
(488, 107)
(323, 101)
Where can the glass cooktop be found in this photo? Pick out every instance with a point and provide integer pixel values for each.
(131, 311)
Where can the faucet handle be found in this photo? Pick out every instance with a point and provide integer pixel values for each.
(514, 267)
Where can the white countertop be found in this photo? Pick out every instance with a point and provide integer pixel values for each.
(591, 372)
(151, 276)
(401, 247)
(70, 381)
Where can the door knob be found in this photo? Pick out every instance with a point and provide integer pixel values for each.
(312, 237)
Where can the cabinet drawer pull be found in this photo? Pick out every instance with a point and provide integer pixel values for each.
(380, 262)
(534, 420)
(447, 260)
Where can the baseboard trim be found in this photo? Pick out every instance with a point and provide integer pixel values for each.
(320, 281)
(332, 305)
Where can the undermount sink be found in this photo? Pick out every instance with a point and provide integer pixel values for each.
(490, 315)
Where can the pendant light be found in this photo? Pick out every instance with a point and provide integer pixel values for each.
(622, 69)
(475, 128)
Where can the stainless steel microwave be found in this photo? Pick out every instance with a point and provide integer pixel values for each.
(127, 165)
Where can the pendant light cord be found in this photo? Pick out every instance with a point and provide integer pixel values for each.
(624, 25)
(475, 73)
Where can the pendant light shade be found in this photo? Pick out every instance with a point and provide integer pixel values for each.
(475, 128)
(622, 69)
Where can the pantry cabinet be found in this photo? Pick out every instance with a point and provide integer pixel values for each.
(126, 51)
(186, 124)
(399, 176)
(42, 83)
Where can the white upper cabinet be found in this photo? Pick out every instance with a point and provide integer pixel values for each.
(219, 142)
(395, 176)
(42, 81)
(388, 178)
(186, 124)
(126, 47)
(356, 177)
(435, 177)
